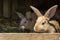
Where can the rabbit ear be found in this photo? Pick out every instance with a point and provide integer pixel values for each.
(20, 15)
(51, 12)
(38, 13)
(28, 14)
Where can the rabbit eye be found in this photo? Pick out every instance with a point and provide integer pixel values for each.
(43, 23)
(25, 22)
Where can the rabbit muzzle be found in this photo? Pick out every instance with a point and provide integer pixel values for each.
(40, 28)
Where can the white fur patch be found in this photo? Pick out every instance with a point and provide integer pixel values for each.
(41, 26)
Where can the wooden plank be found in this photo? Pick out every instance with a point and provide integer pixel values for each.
(29, 36)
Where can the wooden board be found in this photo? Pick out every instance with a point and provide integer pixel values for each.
(29, 36)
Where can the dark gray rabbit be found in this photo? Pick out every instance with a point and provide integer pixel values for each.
(26, 21)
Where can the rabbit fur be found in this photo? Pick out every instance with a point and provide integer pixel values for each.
(26, 21)
(43, 21)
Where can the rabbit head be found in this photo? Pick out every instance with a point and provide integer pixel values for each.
(26, 21)
(42, 22)
(23, 21)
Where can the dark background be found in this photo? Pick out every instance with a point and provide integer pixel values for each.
(8, 8)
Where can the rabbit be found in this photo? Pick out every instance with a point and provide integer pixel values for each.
(27, 21)
(43, 23)
(23, 21)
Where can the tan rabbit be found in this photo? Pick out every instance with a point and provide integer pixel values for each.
(43, 22)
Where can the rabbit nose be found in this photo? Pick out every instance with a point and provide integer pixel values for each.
(39, 31)
(42, 30)
(22, 27)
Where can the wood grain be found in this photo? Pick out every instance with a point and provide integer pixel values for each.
(29, 36)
